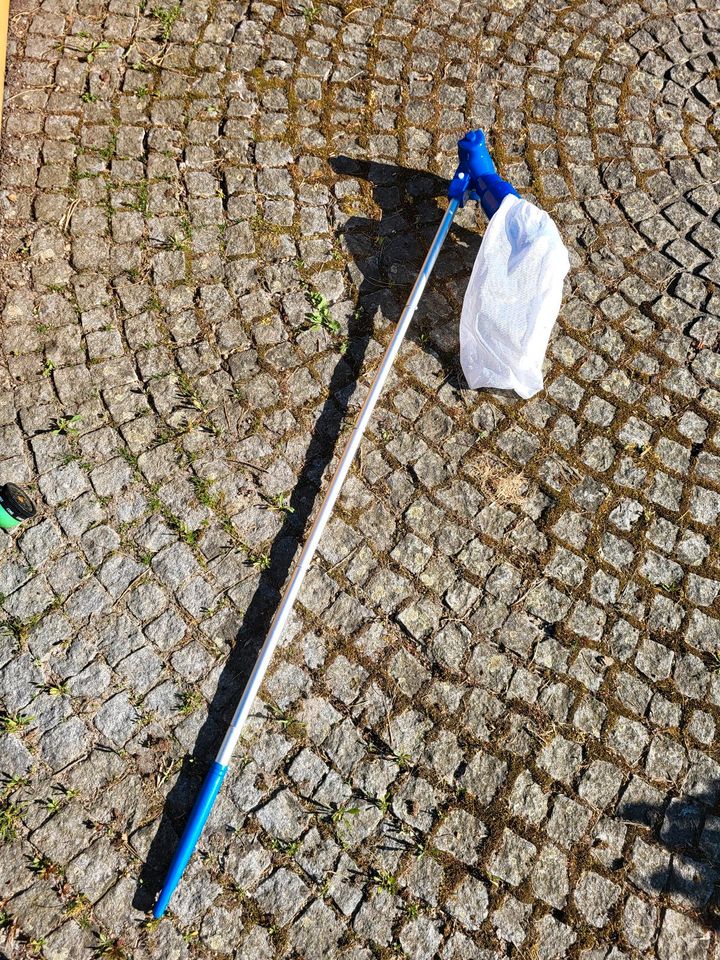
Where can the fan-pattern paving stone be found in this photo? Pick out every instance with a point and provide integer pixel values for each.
(492, 724)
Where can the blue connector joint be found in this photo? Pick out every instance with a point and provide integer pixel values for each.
(476, 176)
(191, 835)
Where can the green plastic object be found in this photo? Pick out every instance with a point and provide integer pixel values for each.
(15, 506)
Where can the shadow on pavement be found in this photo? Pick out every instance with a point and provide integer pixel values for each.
(677, 854)
(388, 252)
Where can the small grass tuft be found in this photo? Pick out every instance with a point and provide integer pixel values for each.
(279, 502)
(167, 17)
(61, 795)
(340, 814)
(385, 880)
(203, 491)
(188, 536)
(310, 12)
(19, 630)
(288, 723)
(10, 813)
(56, 689)
(12, 722)
(110, 948)
(288, 847)
(66, 426)
(77, 907)
(143, 197)
(319, 315)
(189, 392)
(190, 701)
(96, 48)
(261, 561)
(44, 867)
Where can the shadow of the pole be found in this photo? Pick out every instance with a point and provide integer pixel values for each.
(388, 252)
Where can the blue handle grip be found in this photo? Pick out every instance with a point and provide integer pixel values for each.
(191, 834)
(476, 175)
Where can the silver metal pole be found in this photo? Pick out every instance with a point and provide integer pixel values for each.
(293, 588)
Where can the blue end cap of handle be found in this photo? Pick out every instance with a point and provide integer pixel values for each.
(191, 835)
(476, 175)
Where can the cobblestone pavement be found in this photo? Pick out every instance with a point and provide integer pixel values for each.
(492, 729)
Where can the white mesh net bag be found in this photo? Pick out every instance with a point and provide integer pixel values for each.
(513, 299)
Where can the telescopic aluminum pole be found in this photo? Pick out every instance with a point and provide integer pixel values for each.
(214, 779)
